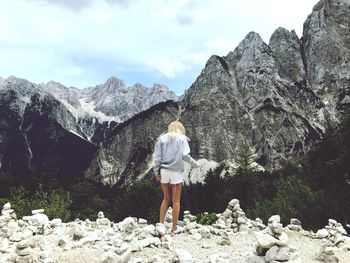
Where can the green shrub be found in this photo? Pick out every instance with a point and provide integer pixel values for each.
(206, 218)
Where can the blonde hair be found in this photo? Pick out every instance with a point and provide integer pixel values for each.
(176, 127)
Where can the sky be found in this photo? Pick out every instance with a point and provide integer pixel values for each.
(82, 43)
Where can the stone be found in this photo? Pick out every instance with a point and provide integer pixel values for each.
(332, 222)
(24, 252)
(224, 239)
(294, 227)
(149, 241)
(329, 251)
(56, 222)
(256, 259)
(100, 215)
(122, 249)
(127, 225)
(265, 240)
(241, 220)
(150, 229)
(7, 206)
(282, 240)
(183, 256)
(204, 232)
(322, 233)
(294, 221)
(274, 218)
(278, 254)
(276, 227)
(24, 243)
(233, 202)
(161, 229)
(37, 211)
(227, 213)
(103, 221)
(39, 219)
(142, 221)
(196, 236)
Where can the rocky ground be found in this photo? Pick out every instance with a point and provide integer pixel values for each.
(232, 238)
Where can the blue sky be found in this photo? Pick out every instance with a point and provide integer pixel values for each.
(81, 43)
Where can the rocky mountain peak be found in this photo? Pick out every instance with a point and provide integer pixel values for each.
(287, 51)
(114, 84)
(326, 45)
(252, 54)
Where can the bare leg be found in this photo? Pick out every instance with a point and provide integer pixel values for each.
(176, 189)
(165, 203)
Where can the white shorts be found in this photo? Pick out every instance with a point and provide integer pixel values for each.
(172, 177)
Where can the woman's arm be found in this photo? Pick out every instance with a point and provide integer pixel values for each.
(158, 157)
(186, 155)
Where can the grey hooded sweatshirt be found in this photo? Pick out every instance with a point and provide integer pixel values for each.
(170, 152)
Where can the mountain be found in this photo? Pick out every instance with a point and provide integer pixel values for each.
(128, 150)
(279, 97)
(35, 140)
(53, 129)
(326, 48)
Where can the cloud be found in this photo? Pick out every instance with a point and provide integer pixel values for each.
(82, 42)
(82, 4)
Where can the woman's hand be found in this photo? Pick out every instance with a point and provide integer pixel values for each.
(158, 178)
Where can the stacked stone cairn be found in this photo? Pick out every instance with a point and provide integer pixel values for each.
(273, 244)
(334, 237)
(234, 217)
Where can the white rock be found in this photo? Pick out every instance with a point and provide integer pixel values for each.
(332, 222)
(205, 232)
(15, 237)
(294, 221)
(24, 252)
(265, 240)
(142, 221)
(233, 202)
(149, 241)
(274, 218)
(197, 237)
(322, 233)
(282, 240)
(56, 222)
(7, 206)
(241, 220)
(161, 229)
(100, 215)
(26, 233)
(37, 211)
(276, 227)
(227, 213)
(127, 225)
(39, 219)
(103, 221)
(121, 249)
(183, 256)
(24, 243)
(277, 254)
(4, 245)
(329, 251)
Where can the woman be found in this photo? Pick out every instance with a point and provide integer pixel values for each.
(171, 150)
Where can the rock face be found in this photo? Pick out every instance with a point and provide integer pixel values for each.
(34, 136)
(113, 98)
(127, 152)
(279, 97)
(52, 127)
(326, 45)
(244, 95)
